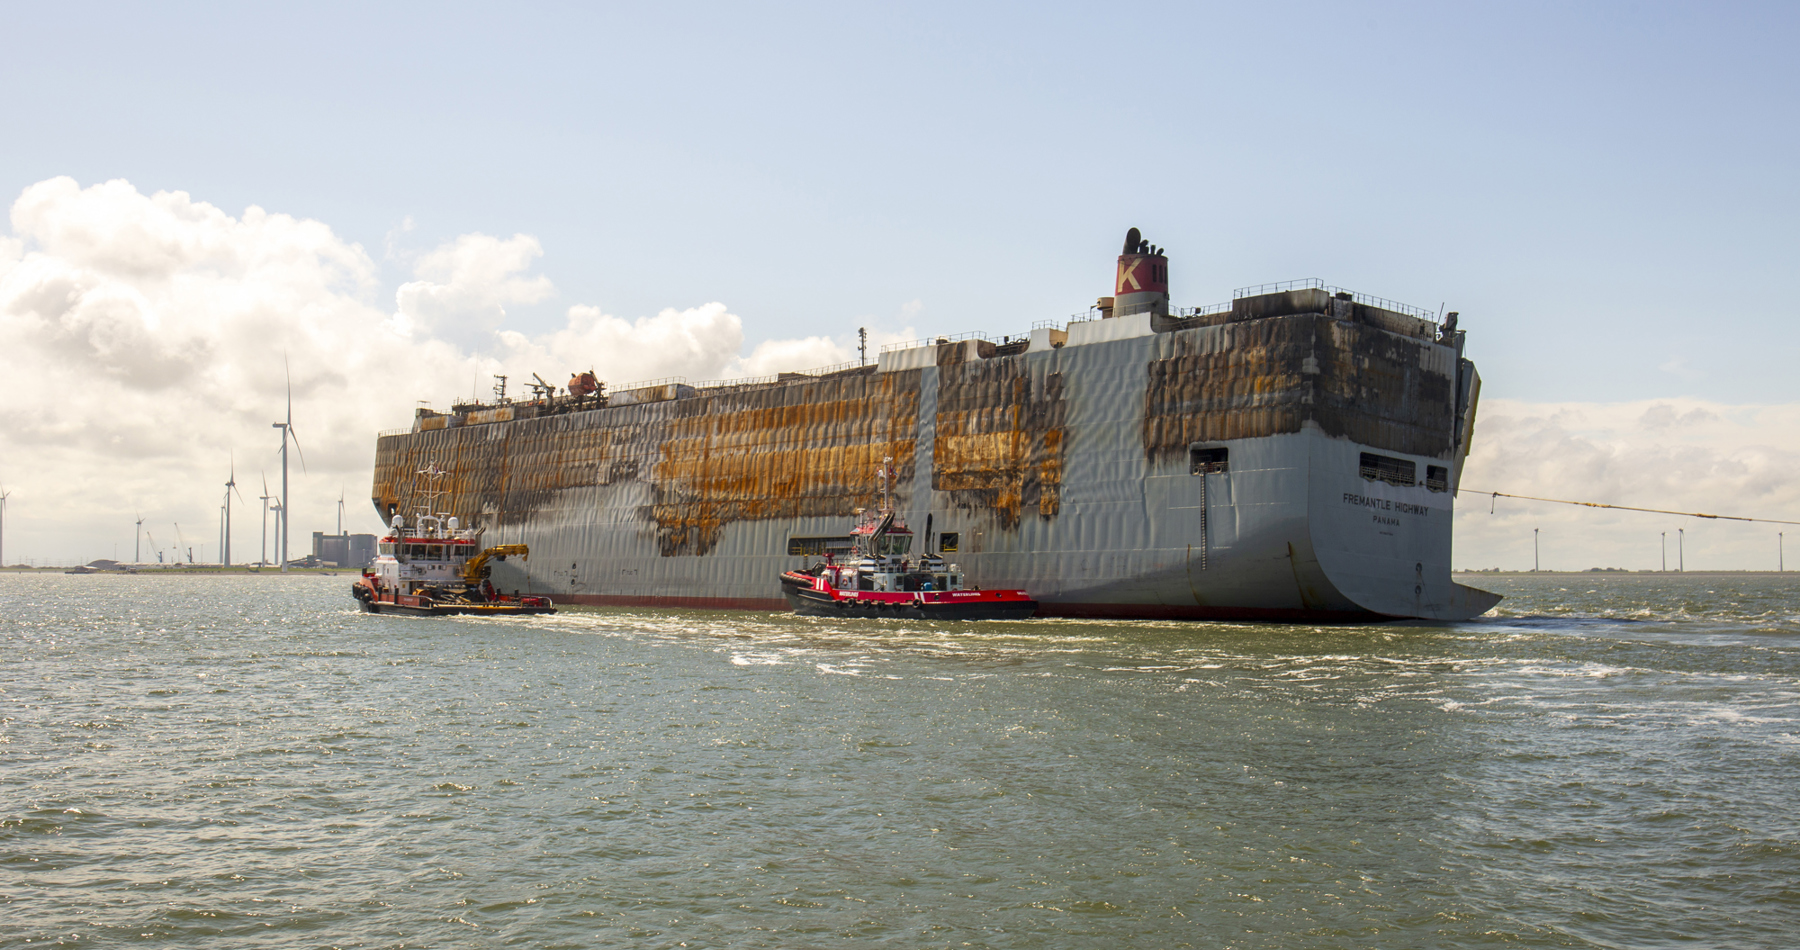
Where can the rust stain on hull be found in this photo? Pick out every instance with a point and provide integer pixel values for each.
(780, 451)
(1271, 376)
(1000, 438)
(784, 452)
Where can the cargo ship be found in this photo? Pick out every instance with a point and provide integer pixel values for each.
(1292, 455)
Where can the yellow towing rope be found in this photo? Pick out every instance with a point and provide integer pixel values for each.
(1594, 504)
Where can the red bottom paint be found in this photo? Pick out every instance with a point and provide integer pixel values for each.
(1045, 609)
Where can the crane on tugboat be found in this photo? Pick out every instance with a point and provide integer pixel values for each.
(434, 566)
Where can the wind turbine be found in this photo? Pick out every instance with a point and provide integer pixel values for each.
(265, 537)
(137, 551)
(4, 494)
(287, 431)
(230, 486)
(340, 511)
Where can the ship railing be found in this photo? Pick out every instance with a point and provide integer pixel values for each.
(938, 340)
(1314, 283)
(738, 383)
(652, 383)
(387, 432)
(1369, 300)
(1179, 313)
(1307, 283)
(1047, 325)
(828, 370)
(741, 382)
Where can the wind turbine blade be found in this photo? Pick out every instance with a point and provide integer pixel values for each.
(298, 449)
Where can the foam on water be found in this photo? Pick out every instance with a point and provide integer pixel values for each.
(241, 762)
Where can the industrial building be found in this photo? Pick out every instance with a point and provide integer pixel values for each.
(343, 550)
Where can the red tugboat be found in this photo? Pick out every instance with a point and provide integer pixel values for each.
(435, 567)
(880, 581)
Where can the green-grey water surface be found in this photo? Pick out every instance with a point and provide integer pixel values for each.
(213, 762)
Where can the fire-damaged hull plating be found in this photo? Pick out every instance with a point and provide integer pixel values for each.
(1291, 457)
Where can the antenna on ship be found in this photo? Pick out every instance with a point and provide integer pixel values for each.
(862, 345)
(425, 502)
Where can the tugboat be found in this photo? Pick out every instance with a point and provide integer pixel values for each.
(880, 581)
(435, 567)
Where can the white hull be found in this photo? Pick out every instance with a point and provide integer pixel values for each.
(1064, 469)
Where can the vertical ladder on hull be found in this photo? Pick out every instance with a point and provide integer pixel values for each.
(1205, 533)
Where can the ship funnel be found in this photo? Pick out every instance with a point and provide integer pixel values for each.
(1143, 279)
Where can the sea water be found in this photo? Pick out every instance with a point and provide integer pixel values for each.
(230, 762)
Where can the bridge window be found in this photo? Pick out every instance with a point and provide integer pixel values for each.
(819, 547)
(1437, 478)
(1391, 470)
(1209, 461)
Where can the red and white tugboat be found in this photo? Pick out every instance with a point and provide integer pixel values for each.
(434, 567)
(879, 580)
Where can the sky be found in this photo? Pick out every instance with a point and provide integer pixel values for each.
(399, 200)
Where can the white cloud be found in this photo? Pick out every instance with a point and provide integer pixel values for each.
(816, 352)
(697, 343)
(774, 356)
(146, 344)
(1679, 368)
(146, 337)
(464, 287)
(1672, 454)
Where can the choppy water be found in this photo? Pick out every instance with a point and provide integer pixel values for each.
(247, 762)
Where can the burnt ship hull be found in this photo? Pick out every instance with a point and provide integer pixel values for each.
(1291, 459)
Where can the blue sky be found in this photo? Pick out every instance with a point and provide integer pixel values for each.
(1601, 189)
(1605, 191)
